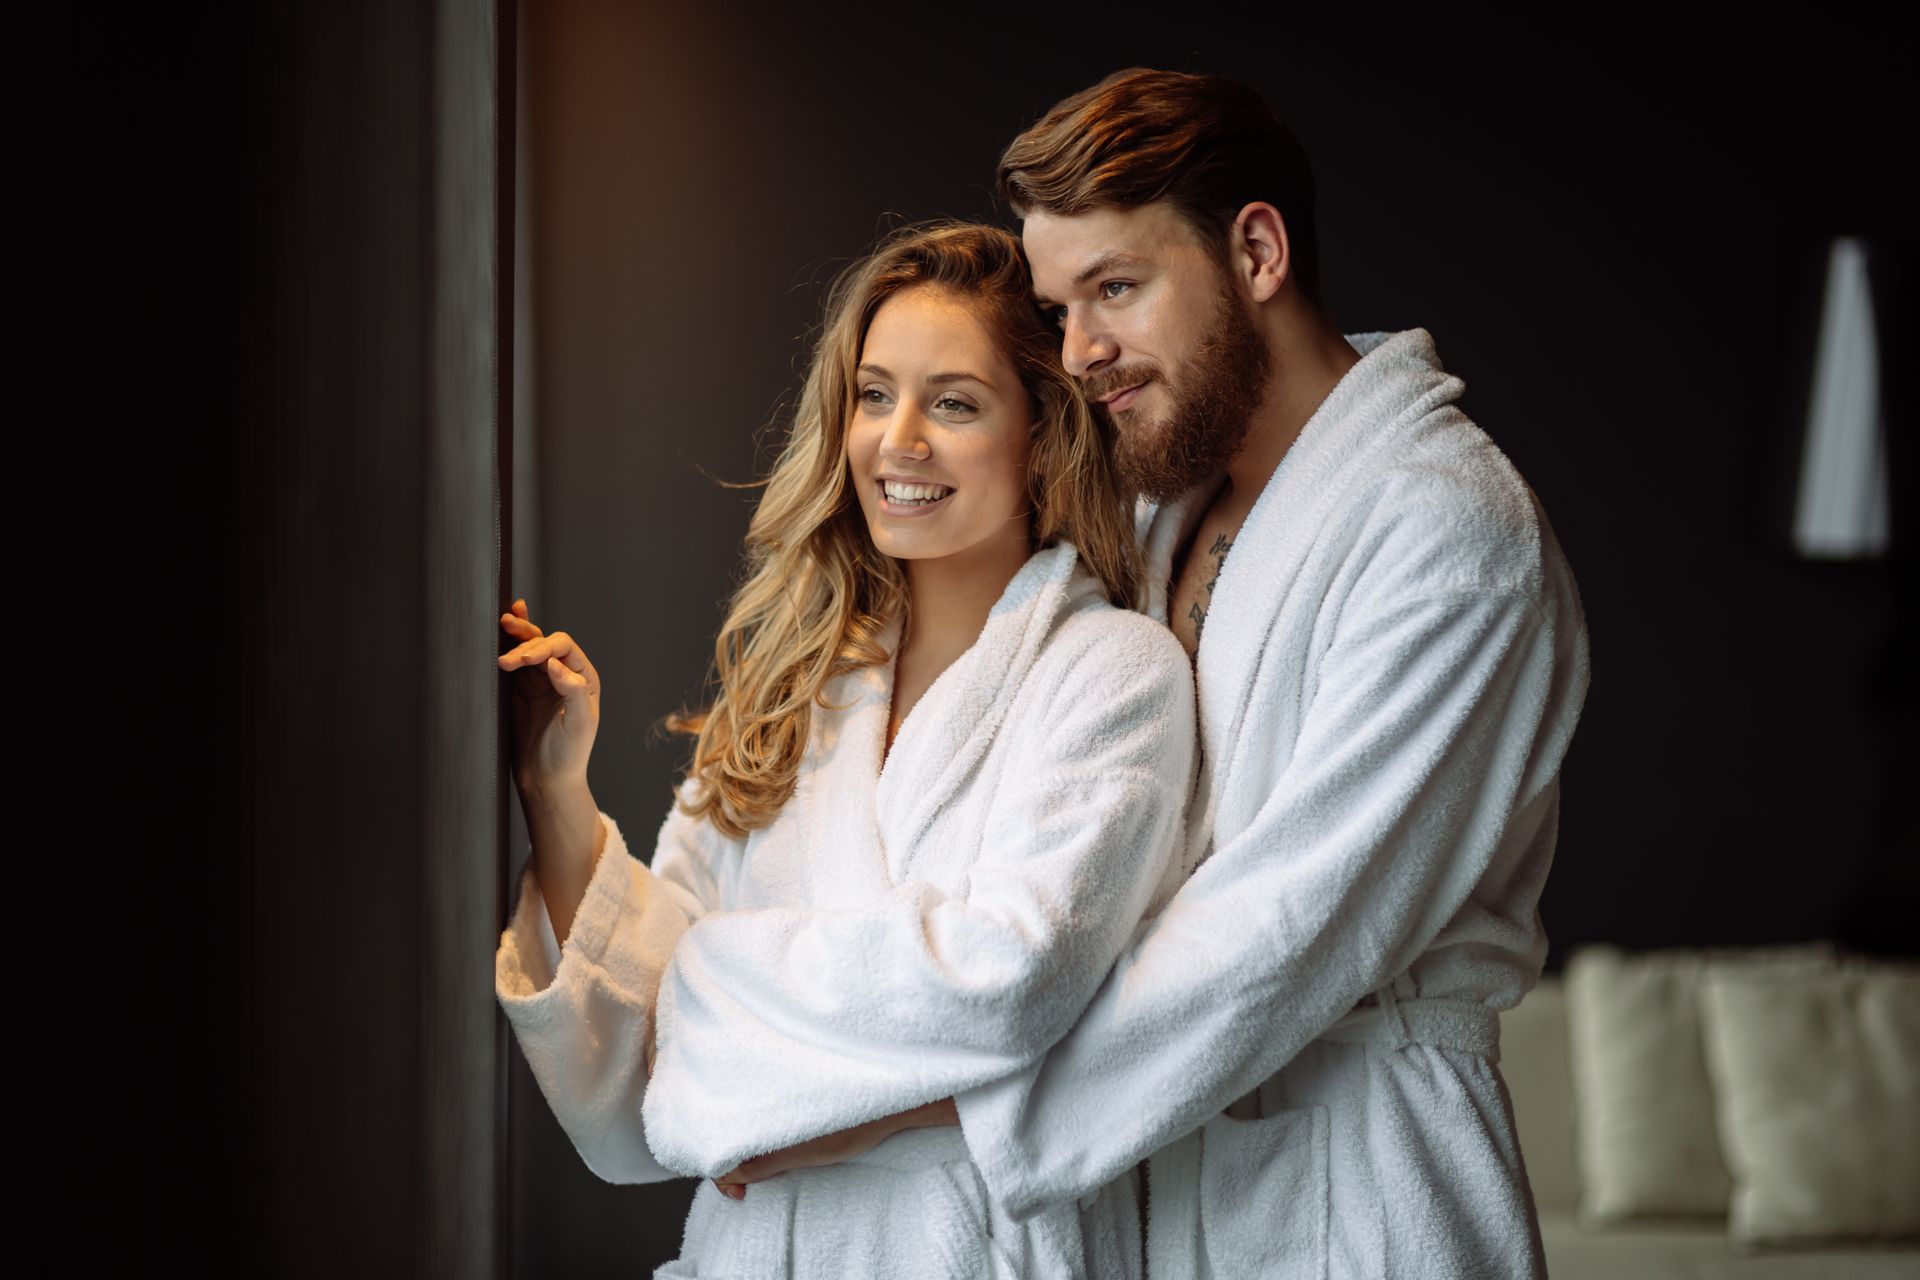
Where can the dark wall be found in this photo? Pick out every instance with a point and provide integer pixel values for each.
(254, 283)
(1608, 227)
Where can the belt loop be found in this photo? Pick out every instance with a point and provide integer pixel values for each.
(1396, 1020)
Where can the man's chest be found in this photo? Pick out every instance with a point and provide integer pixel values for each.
(1196, 572)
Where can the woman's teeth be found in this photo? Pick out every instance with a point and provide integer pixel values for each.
(911, 495)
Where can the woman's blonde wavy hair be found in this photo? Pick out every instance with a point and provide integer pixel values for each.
(817, 596)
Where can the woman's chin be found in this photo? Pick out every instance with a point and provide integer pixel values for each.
(890, 542)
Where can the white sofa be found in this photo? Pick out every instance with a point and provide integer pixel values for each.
(1535, 1060)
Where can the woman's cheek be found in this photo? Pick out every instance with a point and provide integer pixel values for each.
(1014, 480)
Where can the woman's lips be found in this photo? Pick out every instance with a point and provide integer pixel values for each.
(908, 511)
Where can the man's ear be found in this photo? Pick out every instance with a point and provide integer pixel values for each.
(1259, 243)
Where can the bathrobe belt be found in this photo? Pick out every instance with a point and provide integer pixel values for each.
(1395, 1021)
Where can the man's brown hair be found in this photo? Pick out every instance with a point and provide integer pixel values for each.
(1208, 144)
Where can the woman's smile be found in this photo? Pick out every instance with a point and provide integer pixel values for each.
(904, 498)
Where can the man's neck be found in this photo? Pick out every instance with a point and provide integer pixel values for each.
(1310, 356)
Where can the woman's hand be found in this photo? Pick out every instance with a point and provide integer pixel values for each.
(834, 1148)
(556, 704)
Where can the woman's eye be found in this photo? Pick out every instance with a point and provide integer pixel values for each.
(1055, 316)
(872, 395)
(952, 405)
(1114, 288)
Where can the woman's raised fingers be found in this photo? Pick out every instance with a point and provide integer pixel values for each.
(566, 682)
(518, 627)
(573, 657)
(559, 646)
(567, 651)
(520, 655)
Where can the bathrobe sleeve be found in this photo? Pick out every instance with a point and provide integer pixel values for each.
(583, 1012)
(1422, 737)
(782, 1025)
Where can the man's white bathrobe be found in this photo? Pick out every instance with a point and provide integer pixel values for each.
(897, 935)
(1388, 678)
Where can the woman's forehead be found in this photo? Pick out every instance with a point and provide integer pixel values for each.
(929, 333)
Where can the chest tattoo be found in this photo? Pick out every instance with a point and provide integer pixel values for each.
(1197, 611)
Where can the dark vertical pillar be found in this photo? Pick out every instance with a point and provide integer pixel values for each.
(462, 877)
(509, 445)
(269, 493)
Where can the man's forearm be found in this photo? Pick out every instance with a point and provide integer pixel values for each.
(930, 1116)
(834, 1148)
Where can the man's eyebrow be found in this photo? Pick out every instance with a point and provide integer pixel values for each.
(1112, 260)
(937, 380)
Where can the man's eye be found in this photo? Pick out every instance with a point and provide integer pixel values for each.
(1114, 288)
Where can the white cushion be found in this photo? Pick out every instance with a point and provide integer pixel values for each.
(1817, 1079)
(1645, 1135)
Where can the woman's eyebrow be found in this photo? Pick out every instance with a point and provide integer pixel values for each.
(936, 380)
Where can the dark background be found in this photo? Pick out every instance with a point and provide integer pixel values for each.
(1613, 228)
(1609, 229)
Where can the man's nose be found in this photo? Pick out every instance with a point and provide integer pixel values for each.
(1084, 350)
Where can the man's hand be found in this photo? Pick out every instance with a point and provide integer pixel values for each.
(834, 1148)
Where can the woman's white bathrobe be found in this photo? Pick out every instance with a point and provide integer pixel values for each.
(897, 935)
(1389, 675)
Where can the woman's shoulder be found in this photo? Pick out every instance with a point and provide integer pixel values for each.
(1106, 678)
(1095, 647)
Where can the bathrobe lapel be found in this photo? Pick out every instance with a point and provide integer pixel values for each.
(839, 857)
(1377, 406)
(950, 728)
(1161, 531)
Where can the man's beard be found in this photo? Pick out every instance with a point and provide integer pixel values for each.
(1214, 394)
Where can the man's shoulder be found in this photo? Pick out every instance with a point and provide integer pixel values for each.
(1448, 511)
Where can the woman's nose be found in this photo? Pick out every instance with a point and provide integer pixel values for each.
(906, 436)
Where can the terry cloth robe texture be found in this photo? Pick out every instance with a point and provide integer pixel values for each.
(896, 935)
(1389, 676)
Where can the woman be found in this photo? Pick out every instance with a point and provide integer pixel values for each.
(939, 786)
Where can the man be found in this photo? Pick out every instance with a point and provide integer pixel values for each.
(1390, 659)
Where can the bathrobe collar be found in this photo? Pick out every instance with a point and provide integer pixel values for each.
(1377, 405)
(950, 728)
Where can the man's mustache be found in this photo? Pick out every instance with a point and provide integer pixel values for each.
(1108, 381)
